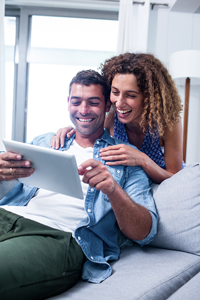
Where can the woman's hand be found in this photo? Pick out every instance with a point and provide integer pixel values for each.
(120, 155)
(59, 137)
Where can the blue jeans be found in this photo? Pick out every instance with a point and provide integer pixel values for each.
(36, 261)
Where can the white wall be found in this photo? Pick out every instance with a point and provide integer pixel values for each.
(170, 32)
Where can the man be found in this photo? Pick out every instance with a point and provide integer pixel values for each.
(45, 245)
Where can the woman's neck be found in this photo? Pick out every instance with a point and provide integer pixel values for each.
(135, 134)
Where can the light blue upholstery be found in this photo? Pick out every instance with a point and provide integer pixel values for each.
(178, 204)
(189, 291)
(6, 186)
(145, 273)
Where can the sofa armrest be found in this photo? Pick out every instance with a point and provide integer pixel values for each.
(6, 186)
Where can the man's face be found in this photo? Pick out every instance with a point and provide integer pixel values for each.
(87, 109)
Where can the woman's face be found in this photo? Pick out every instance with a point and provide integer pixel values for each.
(127, 98)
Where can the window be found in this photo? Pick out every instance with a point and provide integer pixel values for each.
(10, 24)
(59, 48)
(55, 47)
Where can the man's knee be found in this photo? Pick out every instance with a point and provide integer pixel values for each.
(39, 266)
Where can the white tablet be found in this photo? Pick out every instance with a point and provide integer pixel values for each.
(56, 171)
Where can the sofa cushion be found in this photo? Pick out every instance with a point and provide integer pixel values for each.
(190, 290)
(178, 203)
(141, 273)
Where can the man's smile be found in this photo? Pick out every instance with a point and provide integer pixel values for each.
(85, 120)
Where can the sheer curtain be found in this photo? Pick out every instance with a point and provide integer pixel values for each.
(2, 74)
(133, 26)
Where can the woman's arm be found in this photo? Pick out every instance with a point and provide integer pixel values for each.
(173, 148)
(173, 155)
(126, 155)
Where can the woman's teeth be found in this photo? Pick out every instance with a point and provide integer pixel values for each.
(123, 111)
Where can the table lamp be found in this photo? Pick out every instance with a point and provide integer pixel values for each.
(185, 70)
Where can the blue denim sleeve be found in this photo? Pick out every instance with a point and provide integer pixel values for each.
(43, 140)
(137, 186)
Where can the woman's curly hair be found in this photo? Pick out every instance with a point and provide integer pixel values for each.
(161, 103)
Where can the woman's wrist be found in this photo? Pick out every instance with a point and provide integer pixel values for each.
(143, 161)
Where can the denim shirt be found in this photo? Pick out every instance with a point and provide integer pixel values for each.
(98, 234)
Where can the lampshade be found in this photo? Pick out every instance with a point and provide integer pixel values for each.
(185, 64)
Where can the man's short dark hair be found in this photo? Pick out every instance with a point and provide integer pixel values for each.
(88, 77)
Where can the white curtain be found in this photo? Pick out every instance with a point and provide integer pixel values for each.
(133, 26)
(2, 74)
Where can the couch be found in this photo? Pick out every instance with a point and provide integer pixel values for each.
(169, 267)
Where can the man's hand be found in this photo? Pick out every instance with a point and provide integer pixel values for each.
(97, 175)
(133, 219)
(13, 167)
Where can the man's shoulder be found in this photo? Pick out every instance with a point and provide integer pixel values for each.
(125, 143)
(113, 141)
(43, 140)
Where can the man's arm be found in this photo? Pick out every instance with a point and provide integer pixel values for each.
(12, 166)
(133, 219)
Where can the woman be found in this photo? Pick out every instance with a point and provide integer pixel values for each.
(146, 113)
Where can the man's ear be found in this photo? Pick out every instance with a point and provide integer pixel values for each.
(68, 102)
(108, 105)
